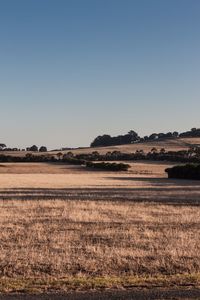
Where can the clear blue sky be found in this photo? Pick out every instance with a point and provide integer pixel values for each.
(73, 69)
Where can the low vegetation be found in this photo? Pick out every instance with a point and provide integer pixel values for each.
(108, 166)
(189, 171)
(192, 155)
(73, 160)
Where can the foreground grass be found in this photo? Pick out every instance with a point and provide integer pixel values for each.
(77, 244)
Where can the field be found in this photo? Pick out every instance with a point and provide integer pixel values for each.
(67, 228)
(169, 145)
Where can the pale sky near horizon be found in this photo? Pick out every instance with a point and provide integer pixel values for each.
(74, 69)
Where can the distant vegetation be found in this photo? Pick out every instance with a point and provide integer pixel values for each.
(108, 166)
(107, 140)
(72, 160)
(33, 148)
(189, 171)
(192, 155)
(133, 137)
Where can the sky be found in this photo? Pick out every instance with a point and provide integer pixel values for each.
(71, 70)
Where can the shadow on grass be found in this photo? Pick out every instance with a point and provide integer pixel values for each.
(160, 181)
(169, 193)
(142, 294)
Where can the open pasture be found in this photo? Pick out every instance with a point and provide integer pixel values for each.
(71, 228)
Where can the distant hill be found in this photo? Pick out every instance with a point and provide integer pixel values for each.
(130, 142)
(174, 144)
(133, 137)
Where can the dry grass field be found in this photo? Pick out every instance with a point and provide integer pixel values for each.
(86, 238)
(66, 228)
(168, 145)
(58, 175)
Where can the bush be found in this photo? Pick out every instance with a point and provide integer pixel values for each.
(189, 171)
(108, 166)
(73, 161)
(43, 149)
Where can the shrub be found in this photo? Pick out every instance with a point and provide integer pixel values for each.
(108, 166)
(189, 171)
(73, 161)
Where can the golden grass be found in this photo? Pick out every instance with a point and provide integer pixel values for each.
(137, 167)
(169, 145)
(39, 168)
(55, 175)
(83, 230)
(92, 238)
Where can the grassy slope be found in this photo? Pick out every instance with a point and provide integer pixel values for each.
(171, 144)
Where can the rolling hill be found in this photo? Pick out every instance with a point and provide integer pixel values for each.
(174, 144)
(169, 145)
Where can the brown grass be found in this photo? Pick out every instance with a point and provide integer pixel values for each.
(169, 145)
(93, 238)
(55, 175)
(39, 168)
(97, 229)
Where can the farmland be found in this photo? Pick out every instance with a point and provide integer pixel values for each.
(72, 228)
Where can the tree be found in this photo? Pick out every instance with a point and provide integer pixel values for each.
(162, 150)
(161, 135)
(69, 154)
(2, 146)
(153, 136)
(43, 149)
(175, 134)
(59, 155)
(107, 140)
(154, 150)
(34, 148)
(134, 136)
(102, 140)
(95, 154)
(169, 135)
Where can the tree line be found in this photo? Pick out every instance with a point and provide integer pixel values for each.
(33, 148)
(133, 137)
(192, 155)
